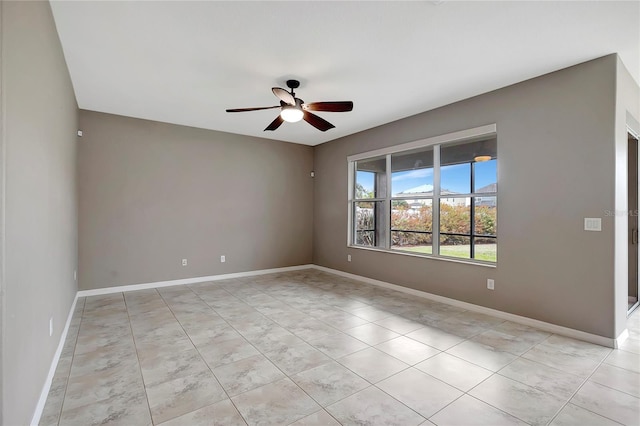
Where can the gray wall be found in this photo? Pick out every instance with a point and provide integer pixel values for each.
(39, 123)
(151, 194)
(555, 167)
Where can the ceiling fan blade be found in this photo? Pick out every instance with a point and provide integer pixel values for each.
(275, 123)
(283, 95)
(251, 109)
(338, 106)
(317, 122)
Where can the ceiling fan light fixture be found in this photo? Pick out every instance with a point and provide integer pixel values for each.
(481, 158)
(291, 113)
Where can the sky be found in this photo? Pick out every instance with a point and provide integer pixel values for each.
(455, 178)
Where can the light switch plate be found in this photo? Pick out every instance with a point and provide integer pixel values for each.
(592, 224)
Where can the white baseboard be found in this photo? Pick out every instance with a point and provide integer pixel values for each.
(552, 328)
(184, 281)
(52, 369)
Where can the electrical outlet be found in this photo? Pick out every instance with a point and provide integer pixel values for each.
(184, 262)
(223, 259)
(490, 284)
(50, 326)
(75, 275)
(348, 258)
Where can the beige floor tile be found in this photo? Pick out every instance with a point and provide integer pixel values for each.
(102, 338)
(215, 334)
(435, 337)
(343, 321)
(127, 409)
(338, 345)
(419, 391)
(609, 403)
(319, 418)
(220, 413)
(372, 365)
(504, 342)
(454, 371)
(482, 355)
(166, 366)
(278, 342)
(278, 403)
(519, 400)
(311, 328)
(459, 326)
(572, 415)
(98, 361)
(580, 364)
(469, 411)
(52, 408)
(294, 359)
(399, 324)
(544, 378)
(372, 334)
(617, 378)
(632, 344)
(407, 350)
(176, 397)
(330, 383)
(90, 388)
(227, 351)
(432, 311)
(370, 313)
(373, 407)
(523, 332)
(250, 373)
(623, 359)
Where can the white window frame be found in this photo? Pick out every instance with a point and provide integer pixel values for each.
(469, 135)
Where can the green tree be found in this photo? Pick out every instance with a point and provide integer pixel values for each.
(361, 192)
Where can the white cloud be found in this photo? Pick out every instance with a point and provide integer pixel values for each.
(413, 174)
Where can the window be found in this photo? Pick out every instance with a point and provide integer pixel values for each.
(435, 198)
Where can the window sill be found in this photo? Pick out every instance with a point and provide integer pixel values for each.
(426, 256)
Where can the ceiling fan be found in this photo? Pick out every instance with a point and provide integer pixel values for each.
(294, 109)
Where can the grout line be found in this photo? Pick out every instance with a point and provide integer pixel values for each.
(200, 353)
(73, 354)
(568, 401)
(135, 346)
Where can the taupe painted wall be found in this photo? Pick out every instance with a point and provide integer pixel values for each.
(39, 123)
(152, 194)
(555, 167)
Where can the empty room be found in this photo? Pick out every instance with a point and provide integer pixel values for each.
(319, 213)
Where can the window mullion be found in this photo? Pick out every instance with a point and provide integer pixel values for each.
(472, 210)
(435, 208)
(388, 203)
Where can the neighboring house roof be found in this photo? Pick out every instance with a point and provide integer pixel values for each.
(422, 189)
(492, 187)
(425, 190)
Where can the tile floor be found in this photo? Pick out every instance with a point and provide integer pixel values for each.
(311, 348)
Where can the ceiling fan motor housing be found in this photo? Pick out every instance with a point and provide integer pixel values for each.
(293, 84)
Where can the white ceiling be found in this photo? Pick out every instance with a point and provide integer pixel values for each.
(186, 62)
